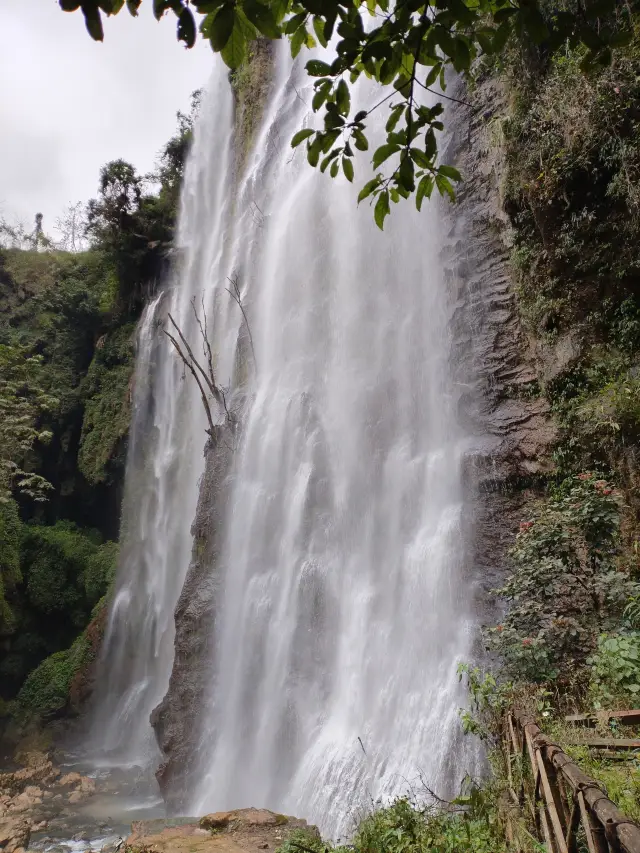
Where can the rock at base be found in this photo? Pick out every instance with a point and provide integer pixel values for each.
(241, 831)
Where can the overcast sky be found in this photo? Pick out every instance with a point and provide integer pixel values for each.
(69, 104)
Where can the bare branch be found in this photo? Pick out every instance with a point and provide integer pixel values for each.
(187, 363)
(235, 295)
(211, 384)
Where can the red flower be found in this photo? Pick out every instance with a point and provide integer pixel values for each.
(584, 476)
(525, 525)
(607, 491)
(499, 627)
(527, 641)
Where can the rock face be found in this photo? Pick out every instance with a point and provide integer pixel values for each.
(175, 719)
(511, 428)
(242, 831)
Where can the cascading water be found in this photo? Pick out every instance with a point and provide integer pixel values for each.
(343, 607)
(164, 462)
(343, 610)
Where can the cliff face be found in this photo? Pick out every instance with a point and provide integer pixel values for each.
(175, 720)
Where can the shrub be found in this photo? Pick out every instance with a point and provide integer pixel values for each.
(565, 587)
(55, 558)
(615, 669)
(46, 690)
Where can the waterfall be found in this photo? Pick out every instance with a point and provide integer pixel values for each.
(164, 461)
(343, 608)
(344, 599)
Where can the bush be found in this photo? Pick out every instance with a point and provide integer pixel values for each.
(55, 558)
(615, 669)
(46, 690)
(565, 587)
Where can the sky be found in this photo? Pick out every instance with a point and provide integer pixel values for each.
(69, 104)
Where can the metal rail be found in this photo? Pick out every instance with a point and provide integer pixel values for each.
(560, 797)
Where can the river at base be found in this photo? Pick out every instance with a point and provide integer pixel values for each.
(102, 822)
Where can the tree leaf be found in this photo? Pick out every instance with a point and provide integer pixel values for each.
(343, 98)
(262, 18)
(368, 188)
(360, 140)
(221, 27)
(347, 168)
(444, 187)
(187, 28)
(300, 136)
(381, 209)
(69, 5)
(133, 6)
(317, 68)
(425, 188)
(383, 153)
(93, 21)
(450, 172)
(298, 40)
(318, 26)
(235, 50)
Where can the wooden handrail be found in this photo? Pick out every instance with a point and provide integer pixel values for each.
(564, 797)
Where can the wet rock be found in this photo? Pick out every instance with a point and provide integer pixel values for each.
(173, 720)
(243, 817)
(30, 797)
(14, 834)
(247, 830)
(70, 780)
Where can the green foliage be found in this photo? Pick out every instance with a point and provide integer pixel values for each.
(46, 690)
(468, 824)
(55, 558)
(405, 47)
(406, 826)
(64, 572)
(22, 401)
(615, 669)
(566, 586)
(572, 190)
(107, 405)
(10, 574)
(100, 571)
(488, 700)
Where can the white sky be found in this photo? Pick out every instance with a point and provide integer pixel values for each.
(69, 104)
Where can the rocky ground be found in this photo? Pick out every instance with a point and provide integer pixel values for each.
(36, 795)
(44, 809)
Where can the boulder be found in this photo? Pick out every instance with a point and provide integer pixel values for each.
(70, 780)
(14, 834)
(242, 831)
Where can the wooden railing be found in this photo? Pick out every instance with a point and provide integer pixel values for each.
(567, 807)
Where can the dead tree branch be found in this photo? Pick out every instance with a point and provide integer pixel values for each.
(209, 386)
(187, 363)
(237, 298)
